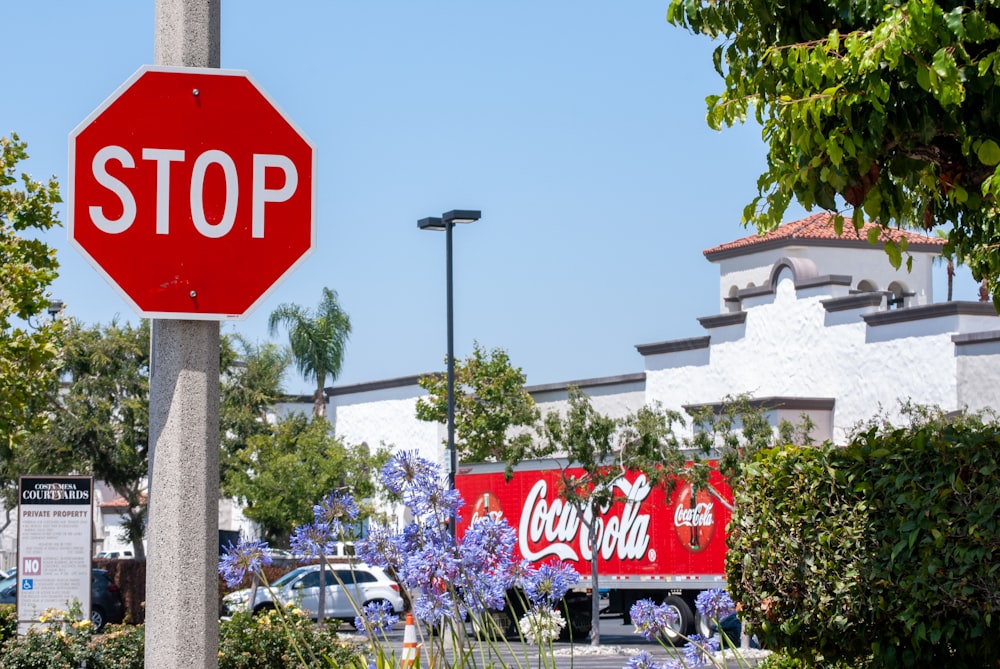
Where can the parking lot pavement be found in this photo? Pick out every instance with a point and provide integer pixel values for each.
(618, 644)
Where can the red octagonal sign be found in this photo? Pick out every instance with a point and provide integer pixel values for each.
(192, 193)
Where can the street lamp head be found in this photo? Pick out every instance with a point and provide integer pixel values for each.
(461, 216)
(431, 223)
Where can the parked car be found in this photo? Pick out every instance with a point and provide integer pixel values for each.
(121, 555)
(7, 573)
(362, 584)
(106, 605)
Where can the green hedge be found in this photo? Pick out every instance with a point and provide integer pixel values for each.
(130, 577)
(886, 551)
(266, 641)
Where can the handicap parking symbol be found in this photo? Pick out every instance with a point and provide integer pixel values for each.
(27, 584)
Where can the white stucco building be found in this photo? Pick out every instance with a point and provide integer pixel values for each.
(806, 322)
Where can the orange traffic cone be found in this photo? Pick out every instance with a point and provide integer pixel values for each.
(411, 649)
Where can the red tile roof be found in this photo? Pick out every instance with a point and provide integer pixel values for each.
(120, 503)
(818, 227)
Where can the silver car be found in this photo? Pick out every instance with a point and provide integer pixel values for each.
(362, 584)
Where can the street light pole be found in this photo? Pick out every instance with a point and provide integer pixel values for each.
(446, 223)
(452, 454)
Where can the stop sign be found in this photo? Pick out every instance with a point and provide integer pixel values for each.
(191, 192)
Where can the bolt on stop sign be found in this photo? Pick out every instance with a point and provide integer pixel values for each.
(191, 193)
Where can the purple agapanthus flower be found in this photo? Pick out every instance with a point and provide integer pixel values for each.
(338, 510)
(376, 617)
(715, 604)
(481, 593)
(406, 470)
(314, 540)
(548, 583)
(697, 650)
(435, 504)
(430, 568)
(644, 660)
(433, 606)
(246, 557)
(488, 546)
(651, 620)
(486, 556)
(381, 548)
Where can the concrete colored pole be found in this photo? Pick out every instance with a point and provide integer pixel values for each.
(182, 610)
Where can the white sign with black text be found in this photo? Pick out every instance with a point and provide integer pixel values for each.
(55, 531)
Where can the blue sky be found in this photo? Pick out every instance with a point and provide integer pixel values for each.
(577, 127)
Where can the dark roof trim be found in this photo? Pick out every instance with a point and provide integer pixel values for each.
(621, 379)
(673, 346)
(773, 403)
(722, 320)
(783, 242)
(371, 386)
(925, 311)
(976, 337)
(857, 301)
(825, 280)
(406, 381)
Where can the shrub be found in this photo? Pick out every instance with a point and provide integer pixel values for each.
(57, 646)
(888, 548)
(130, 577)
(273, 640)
(797, 538)
(782, 661)
(8, 622)
(279, 639)
(120, 647)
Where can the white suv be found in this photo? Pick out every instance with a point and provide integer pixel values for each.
(362, 584)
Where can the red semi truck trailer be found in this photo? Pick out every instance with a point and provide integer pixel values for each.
(667, 550)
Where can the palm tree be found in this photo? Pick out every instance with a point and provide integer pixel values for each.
(317, 341)
(949, 258)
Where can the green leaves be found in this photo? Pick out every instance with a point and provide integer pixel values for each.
(839, 87)
(988, 152)
(492, 408)
(899, 530)
(29, 340)
(281, 474)
(317, 340)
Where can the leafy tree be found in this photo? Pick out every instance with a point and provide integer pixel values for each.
(884, 110)
(725, 438)
(29, 344)
(491, 408)
(587, 439)
(280, 475)
(653, 441)
(251, 386)
(100, 424)
(317, 341)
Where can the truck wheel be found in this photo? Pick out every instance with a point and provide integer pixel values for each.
(577, 627)
(685, 619)
(505, 623)
(704, 626)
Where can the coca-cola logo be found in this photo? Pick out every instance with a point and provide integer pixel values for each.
(554, 528)
(486, 505)
(694, 519)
